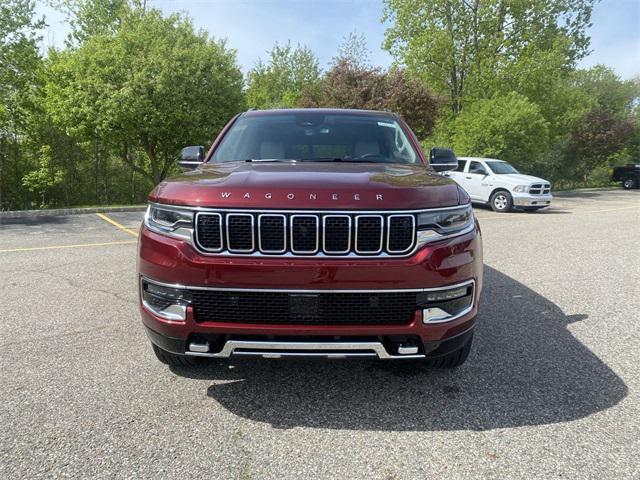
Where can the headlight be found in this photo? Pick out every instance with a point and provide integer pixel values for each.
(521, 188)
(438, 224)
(172, 221)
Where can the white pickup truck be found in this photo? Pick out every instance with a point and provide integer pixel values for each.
(498, 184)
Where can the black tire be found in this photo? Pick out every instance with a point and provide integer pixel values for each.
(174, 360)
(453, 359)
(629, 183)
(501, 201)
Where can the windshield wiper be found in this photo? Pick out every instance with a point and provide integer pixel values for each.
(266, 160)
(346, 160)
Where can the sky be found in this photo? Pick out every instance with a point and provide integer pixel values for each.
(253, 26)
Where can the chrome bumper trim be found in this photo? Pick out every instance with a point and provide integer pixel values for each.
(172, 312)
(303, 349)
(527, 200)
(307, 290)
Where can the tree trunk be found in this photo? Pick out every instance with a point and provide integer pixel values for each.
(1, 171)
(96, 160)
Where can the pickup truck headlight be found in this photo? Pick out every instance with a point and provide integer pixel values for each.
(171, 221)
(436, 225)
(521, 188)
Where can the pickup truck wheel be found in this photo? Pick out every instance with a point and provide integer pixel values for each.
(501, 201)
(174, 360)
(453, 359)
(629, 183)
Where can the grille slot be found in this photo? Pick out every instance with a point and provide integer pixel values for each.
(304, 234)
(209, 231)
(337, 234)
(379, 308)
(369, 234)
(401, 232)
(272, 233)
(540, 189)
(240, 232)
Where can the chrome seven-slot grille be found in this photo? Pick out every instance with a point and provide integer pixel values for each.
(540, 189)
(333, 234)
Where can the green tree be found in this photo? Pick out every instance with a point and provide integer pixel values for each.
(289, 75)
(154, 85)
(20, 64)
(44, 180)
(94, 17)
(607, 90)
(598, 136)
(467, 50)
(508, 128)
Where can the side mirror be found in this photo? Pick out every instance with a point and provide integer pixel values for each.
(443, 159)
(191, 157)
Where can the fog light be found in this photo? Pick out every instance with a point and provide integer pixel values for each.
(165, 302)
(444, 295)
(446, 304)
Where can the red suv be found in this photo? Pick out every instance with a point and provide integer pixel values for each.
(315, 233)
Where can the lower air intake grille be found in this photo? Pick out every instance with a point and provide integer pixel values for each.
(393, 308)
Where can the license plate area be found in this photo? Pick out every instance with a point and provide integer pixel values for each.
(304, 306)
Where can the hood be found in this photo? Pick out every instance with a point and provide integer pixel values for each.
(309, 185)
(520, 179)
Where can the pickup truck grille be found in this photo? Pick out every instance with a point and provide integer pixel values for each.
(540, 189)
(376, 308)
(305, 234)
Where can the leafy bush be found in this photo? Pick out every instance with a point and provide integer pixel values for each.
(509, 128)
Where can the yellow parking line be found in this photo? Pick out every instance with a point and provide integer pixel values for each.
(116, 224)
(55, 247)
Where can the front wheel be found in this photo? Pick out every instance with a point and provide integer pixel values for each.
(629, 183)
(453, 359)
(501, 201)
(174, 360)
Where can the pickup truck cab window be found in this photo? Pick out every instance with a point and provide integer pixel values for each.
(477, 168)
(501, 168)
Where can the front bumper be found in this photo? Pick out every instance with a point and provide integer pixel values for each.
(174, 262)
(383, 348)
(528, 200)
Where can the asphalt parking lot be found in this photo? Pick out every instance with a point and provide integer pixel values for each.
(551, 389)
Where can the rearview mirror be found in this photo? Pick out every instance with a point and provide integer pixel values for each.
(191, 157)
(443, 159)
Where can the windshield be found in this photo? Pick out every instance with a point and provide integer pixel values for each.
(316, 136)
(501, 168)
